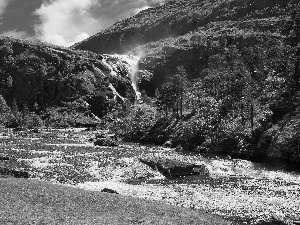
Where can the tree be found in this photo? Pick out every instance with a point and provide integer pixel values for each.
(6, 115)
(172, 93)
(293, 39)
(14, 107)
(180, 82)
(24, 114)
(166, 98)
(236, 79)
(9, 82)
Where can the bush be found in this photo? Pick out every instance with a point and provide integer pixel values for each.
(133, 122)
(32, 121)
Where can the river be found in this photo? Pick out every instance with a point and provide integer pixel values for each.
(239, 190)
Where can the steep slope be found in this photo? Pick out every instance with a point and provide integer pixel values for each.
(179, 17)
(187, 33)
(48, 76)
(246, 53)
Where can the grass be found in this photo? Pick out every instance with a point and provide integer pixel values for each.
(35, 202)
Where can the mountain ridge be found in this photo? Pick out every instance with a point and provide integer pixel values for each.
(177, 18)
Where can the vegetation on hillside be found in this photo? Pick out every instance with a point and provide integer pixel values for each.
(62, 87)
(246, 99)
(178, 17)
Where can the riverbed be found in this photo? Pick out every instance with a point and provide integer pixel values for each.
(238, 190)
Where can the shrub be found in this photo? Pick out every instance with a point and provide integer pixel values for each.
(32, 121)
(133, 121)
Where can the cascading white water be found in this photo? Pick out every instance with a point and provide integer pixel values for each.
(130, 62)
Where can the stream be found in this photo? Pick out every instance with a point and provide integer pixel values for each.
(238, 190)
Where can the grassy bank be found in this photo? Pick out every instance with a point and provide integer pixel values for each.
(35, 202)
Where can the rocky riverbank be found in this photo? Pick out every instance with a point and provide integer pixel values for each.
(238, 190)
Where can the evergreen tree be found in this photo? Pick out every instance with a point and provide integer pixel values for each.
(6, 115)
(172, 93)
(14, 108)
(293, 39)
(9, 82)
(167, 98)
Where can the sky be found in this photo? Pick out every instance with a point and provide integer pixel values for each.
(65, 22)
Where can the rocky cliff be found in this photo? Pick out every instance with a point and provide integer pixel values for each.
(43, 75)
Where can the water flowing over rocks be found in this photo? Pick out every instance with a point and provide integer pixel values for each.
(239, 190)
(125, 64)
(172, 168)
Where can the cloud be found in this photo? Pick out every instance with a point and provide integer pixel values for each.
(64, 22)
(16, 34)
(3, 5)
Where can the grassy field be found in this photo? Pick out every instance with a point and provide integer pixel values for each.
(35, 202)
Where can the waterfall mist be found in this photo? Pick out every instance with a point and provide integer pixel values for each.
(131, 64)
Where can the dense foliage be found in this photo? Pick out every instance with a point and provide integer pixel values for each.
(236, 104)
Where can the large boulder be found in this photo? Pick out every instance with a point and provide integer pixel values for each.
(110, 191)
(4, 157)
(106, 140)
(12, 172)
(173, 168)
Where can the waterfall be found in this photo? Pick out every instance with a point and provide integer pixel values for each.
(130, 62)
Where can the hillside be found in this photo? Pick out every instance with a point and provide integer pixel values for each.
(177, 34)
(241, 60)
(178, 17)
(43, 76)
(222, 76)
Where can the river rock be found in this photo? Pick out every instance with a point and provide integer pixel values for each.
(168, 144)
(107, 190)
(173, 168)
(14, 173)
(4, 157)
(106, 140)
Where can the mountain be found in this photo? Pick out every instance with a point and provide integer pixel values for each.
(225, 75)
(242, 59)
(179, 17)
(44, 76)
(176, 34)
